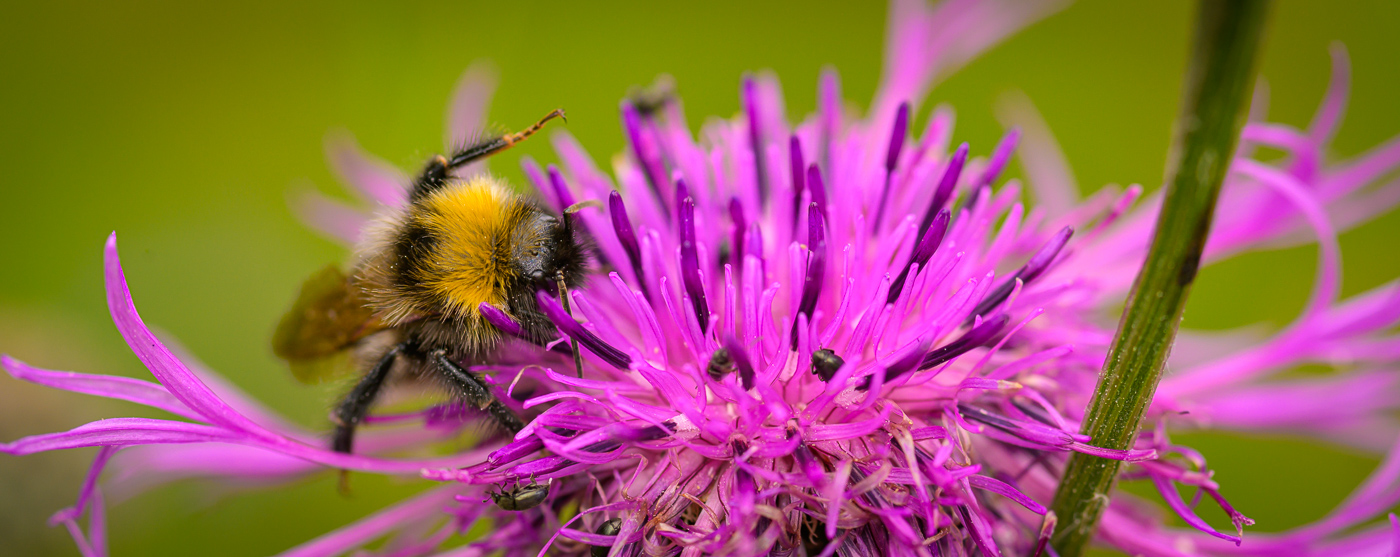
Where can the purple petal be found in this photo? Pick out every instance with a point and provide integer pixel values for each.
(1173, 499)
(373, 179)
(118, 432)
(829, 104)
(899, 367)
(1334, 104)
(561, 189)
(417, 510)
(897, 137)
(567, 325)
(471, 100)
(1001, 488)
(1047, 529)
(85, 494)
(335, 220)
(1394, 534)
(1041, 158)
(499, 319)
(123, 388)
(170, 371)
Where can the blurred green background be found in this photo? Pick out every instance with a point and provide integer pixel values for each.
(184, 126)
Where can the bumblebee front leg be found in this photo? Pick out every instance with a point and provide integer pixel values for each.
(357, 403)
(564, 301)
(476, 393)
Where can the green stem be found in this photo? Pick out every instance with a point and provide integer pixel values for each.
(1214, 103)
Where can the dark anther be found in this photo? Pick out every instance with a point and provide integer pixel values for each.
(817, 187)
(798, 168)
(923, 252)
(945, 187)
(1027, 273)
(816, 268)
(690, 261)
(622, 226)
(741, 362)
(973, 338)
(901, 127)
(643, 150)
(749, 96)
(736, 235)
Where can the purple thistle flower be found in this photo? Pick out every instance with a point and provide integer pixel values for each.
(841, 382)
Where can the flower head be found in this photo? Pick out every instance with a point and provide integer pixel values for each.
(823, 336)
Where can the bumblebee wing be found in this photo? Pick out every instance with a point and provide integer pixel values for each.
(329, 316)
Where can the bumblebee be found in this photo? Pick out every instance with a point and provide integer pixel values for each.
(409, 307)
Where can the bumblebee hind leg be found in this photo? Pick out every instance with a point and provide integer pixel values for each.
(354, 407)
(356, 404)
(476, 393)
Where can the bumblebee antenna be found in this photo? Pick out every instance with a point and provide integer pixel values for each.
(573, 342)
(436, 173)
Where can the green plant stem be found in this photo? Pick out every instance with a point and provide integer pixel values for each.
(1215, 99)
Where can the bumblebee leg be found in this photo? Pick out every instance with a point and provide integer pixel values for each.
(475, 392)
(357, 403)
(438, 169)
(573, 342)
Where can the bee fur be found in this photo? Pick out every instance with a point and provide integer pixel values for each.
(425, 269)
